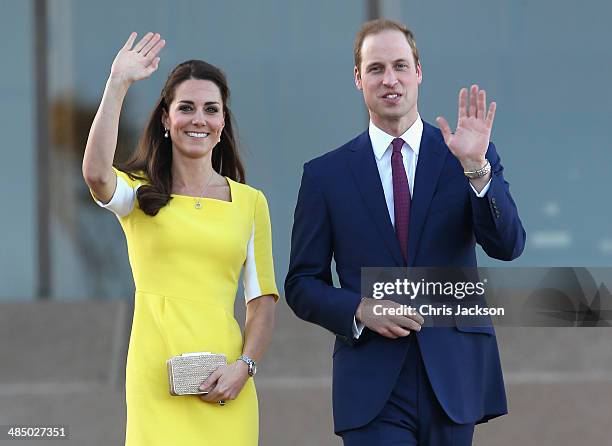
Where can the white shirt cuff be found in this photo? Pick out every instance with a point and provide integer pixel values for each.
(357, 328)
(484, 190)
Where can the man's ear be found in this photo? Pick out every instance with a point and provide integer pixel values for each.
(358, 79)
(419, 71)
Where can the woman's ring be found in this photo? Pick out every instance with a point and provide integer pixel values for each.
(221, 402)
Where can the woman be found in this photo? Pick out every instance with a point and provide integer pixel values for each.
(191, 226)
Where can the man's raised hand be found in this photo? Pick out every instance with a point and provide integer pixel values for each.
(470, 141)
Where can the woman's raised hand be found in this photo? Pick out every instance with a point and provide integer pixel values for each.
(139, 62)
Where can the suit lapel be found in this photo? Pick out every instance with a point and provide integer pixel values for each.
(432, 155)
(365, 172)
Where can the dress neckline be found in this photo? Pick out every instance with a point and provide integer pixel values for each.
(230, 201)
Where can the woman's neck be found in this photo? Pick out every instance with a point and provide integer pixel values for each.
(191, 175)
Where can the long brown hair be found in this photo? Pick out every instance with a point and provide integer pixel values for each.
(152, 160)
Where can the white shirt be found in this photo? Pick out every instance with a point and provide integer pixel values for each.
(381, 145)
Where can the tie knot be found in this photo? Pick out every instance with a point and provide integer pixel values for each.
(397, 144)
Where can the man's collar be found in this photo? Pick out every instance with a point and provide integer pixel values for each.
(381, 140)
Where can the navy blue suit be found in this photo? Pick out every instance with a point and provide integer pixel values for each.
(341, 212)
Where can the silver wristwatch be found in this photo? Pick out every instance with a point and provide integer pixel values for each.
(479, 173)
(252, 364)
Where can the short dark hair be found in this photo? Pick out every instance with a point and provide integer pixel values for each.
(379, 25)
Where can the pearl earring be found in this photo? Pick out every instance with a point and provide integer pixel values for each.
(166, 134)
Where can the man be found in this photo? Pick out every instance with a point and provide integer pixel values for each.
(403, 193)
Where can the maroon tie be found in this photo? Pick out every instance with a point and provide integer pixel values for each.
(401, 196)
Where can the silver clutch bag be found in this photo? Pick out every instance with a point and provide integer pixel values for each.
(187, 371)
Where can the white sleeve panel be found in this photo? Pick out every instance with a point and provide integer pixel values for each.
(252, 288)
(123, 200)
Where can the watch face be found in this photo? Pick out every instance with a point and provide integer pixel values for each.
(254, 369)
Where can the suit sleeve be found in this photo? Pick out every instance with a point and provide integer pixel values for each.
(309, 290)
(497, 226)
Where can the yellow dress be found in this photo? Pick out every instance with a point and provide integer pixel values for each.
(186, 264)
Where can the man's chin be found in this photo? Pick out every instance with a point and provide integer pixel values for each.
(391, 110)
(393, 115)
